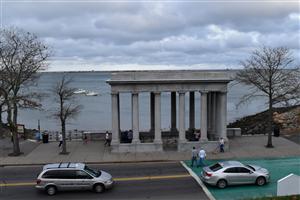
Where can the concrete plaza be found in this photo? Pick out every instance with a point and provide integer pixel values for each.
(96, 152)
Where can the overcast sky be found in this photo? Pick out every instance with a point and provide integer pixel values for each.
(103, 35)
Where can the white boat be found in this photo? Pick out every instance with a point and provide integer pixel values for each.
(91, 93)
(80, 91)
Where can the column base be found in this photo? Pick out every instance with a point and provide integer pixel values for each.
(114, 142)
(157, 141)
(135, 141)
(203, 139)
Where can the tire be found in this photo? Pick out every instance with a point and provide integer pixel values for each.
(222, 183)
(260, 181)
(98, 188)
(51, 190)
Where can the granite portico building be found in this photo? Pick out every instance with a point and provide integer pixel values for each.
(212, 85)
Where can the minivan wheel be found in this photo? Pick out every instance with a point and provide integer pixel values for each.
(260, 181)
(222, 183)
(51, 190)
(98, 188)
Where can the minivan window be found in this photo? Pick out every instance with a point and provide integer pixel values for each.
(82, 175)
(60, 174)
(92, 172)
(215, 167)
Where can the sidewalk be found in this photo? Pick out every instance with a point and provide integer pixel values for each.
(96, 152)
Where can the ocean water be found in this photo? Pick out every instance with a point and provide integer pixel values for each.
(96, 112)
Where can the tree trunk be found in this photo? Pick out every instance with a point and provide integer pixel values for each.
(15, 130)
(1, 122)
(270, 123)
(63, 132)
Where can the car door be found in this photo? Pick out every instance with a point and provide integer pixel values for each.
(68, 180)
(85, 180)
(231, 175)
(246, 175)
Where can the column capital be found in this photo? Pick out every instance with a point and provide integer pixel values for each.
(114, 93)
(181, 92)
(134, 93)
(156, 93)
(204, 91)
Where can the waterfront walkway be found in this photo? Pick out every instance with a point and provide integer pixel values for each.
(96, 152)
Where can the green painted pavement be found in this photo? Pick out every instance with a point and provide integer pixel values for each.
(278, 168)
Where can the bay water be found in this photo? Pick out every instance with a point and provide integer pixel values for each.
(96, 112)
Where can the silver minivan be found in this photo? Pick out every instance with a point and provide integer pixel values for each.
(72, 176)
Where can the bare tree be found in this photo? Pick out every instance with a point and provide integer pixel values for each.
(22, 55)
(269, 73)
(68, 108)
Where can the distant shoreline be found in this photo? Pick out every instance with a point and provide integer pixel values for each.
(112, 71)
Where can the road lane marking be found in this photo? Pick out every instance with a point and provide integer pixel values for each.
(196, 177)
(115, 179)
(152, 177)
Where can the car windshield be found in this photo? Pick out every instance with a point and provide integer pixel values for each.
(215, 167)
(92, 172)
(251, 167)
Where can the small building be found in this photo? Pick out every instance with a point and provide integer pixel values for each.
(212, 85)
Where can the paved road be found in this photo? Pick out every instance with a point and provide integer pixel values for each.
(171, 181)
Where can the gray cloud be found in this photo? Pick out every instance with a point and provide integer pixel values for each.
(173, 34)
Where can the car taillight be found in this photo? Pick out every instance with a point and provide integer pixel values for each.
(38, 181)
(208, 174)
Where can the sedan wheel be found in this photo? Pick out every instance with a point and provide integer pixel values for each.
(260, 181)
(222, 183)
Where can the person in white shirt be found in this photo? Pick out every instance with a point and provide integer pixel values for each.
(202, 156)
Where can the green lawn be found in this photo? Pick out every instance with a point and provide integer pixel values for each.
(278, 168)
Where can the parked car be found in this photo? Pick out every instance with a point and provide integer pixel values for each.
(226, 173)
(72, 176)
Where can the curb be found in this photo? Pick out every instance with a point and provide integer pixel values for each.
(196, 177)
(93, 163)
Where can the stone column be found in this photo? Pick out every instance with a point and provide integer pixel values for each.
(192, 112)
(213, 115)
(223, 115)
(208, 112)
(157, 129)
(203, 123)
(218, 116)
(152, 110)
(115, 118)
(135, 117)
(182, 137)
(173, 112)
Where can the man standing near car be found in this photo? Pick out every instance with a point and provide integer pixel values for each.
(194, 157)
(202, 156)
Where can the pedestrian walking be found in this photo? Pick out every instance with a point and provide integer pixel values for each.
(202, 156)
(107, 137)
(221, 145)
(194, 156)
(60, 138)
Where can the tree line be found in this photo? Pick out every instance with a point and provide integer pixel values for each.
(22, 56)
